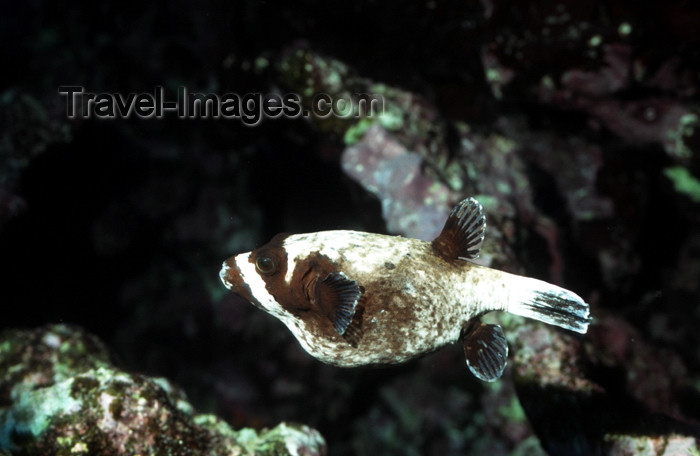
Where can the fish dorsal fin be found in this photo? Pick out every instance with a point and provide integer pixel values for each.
(486, 349)
(463, 233)
(336, 296)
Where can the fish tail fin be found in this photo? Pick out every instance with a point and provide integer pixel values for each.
(550, 304)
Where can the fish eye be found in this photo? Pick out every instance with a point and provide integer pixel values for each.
(265, 265)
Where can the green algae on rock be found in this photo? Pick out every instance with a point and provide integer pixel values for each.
(684, 182)
(412, 119)
(61, 395)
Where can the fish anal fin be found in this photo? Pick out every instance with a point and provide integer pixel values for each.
(337, 296)
(463, 233)
(486, 350)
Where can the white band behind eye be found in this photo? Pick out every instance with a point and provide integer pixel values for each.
(258, 288)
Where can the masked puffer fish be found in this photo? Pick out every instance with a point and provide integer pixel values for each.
(355, 299)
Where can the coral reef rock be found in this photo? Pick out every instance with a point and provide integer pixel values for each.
(412, 203)
(60, 394)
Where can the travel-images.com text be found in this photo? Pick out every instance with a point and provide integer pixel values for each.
(249, 108)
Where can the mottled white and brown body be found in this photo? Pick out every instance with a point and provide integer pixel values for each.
(354, 298)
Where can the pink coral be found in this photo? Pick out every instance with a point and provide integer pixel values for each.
(412, 203)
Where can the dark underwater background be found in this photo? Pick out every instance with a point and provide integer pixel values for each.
(574, 123)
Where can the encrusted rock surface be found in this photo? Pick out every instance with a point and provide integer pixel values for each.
(60, 394)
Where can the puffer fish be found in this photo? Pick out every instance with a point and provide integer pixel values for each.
(353, 299)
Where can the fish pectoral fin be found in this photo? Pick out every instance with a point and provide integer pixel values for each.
(336, 297)
(353, 333)
(463, 233)
(486, 349)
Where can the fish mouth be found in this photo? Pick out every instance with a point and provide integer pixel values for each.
(232, 278)
(224, 273)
